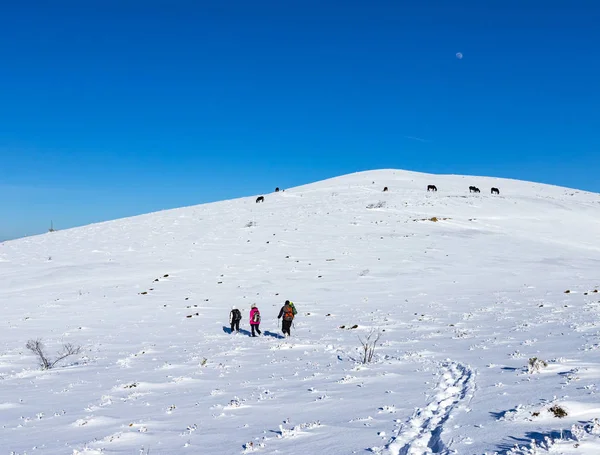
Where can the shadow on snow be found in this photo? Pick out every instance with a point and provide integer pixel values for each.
(266, 333)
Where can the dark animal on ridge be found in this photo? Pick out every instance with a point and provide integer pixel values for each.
(385, 188)
(431, 188)
(277, 190)
(495, 191)
(260, 199)
(474, 189)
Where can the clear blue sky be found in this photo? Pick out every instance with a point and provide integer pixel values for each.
(113, 108)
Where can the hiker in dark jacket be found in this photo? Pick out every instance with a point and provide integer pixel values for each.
(287, 313)
(235, 316)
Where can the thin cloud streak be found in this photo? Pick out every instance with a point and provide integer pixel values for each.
(418, 139)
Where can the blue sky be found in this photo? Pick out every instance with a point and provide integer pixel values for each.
(115, 108)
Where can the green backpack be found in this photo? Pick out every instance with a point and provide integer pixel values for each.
(293, 308)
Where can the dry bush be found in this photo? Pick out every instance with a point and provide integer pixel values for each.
(376, 205)
(435, 219)
(37, 347)
(535, 365)
(558, 411)
(368, 345)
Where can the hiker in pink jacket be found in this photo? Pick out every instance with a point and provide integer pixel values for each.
(254, 319)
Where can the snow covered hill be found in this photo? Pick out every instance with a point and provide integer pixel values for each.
(464, 289)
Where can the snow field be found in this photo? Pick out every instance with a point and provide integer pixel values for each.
(463, 302)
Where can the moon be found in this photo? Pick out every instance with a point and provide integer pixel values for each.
(459, 55)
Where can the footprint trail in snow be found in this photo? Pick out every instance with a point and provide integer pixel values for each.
(422, 433)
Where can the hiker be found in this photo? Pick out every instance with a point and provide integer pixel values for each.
(287, 313)
(254, 319)
(235, 316)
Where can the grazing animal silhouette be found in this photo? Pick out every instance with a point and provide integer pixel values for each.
(385, 188)
(277, 190)
(260, 199)
(431, 188)
(474, 189)
(495, 191)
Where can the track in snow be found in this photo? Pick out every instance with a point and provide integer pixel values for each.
(421, 434)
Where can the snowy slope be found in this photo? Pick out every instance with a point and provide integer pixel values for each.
(462, 303)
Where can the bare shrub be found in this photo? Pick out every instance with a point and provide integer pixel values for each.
(535, 365)
(37, 347)
(368, 345)
(376, 205)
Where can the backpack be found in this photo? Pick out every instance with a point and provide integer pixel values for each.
(288, 313)
(236, 315)
(256, 317)
(293, 308)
